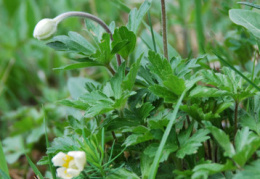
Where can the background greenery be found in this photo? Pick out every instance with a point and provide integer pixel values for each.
(29, 87)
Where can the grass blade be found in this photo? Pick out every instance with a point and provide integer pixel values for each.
(35, 169)
(102, 145)
(164, 139)
(151, 28)
(199, 26)
(250, 4)
(238, 72)
(52, 169)
(4, 175)
(3, 164)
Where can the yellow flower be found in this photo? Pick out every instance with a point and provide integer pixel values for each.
(70, 164)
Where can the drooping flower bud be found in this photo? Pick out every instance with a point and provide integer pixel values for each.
(45, 28)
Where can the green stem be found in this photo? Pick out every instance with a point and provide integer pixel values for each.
(209, 150)
(3, 163)
(159, 152)
(186, 47)
(151, 28)
(253, 71)
(199, 26)
(235, 117)
(112, 71)
(65, 15)
(5, 74)
(164, 29)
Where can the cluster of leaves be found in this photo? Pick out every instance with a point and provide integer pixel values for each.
(159, 118)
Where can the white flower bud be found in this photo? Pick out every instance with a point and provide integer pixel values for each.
(45, 28)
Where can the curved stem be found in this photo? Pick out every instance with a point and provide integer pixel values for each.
(164, 33)
(65, 15)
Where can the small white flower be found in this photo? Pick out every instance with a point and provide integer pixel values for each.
(70, 164)
(45, 28)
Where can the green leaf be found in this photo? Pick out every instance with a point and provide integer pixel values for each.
(35, 169)
(75, 104)
(95, 97)
(160, 121)
(3, 164)
(13, 148)
(103, 54)
(181, 67)
(64, 144)
(146, 163)
(219, 80)
(130, 78)
(79, 65)
(120, 45)
(144, 110)
(250, 171)
(246, 18)
(135, 16)
(121, 35)
(163, 93)
(122, 173)
(99, 103)
(191, 145)
(35, 135)
(44, 161)
(207, 169)
(76, 37)
(203, 91)
(175, 84)
(160, 66)
(167, 150)
(197, 113)
(116, 81)
(185, 134)
(223, 140)
(237, 71)
(58, 45)
(74, 42)
(99, 108)
(146, 75)
(76, 86)
(140, 134)
(251, 123)
(231, 82)
(246, 143)
(94, 30)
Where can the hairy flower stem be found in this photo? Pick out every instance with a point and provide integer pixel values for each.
(114, 136)
(209, 150)
(235, 117)
(112, 71)
(91, 17)
(164, 30)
